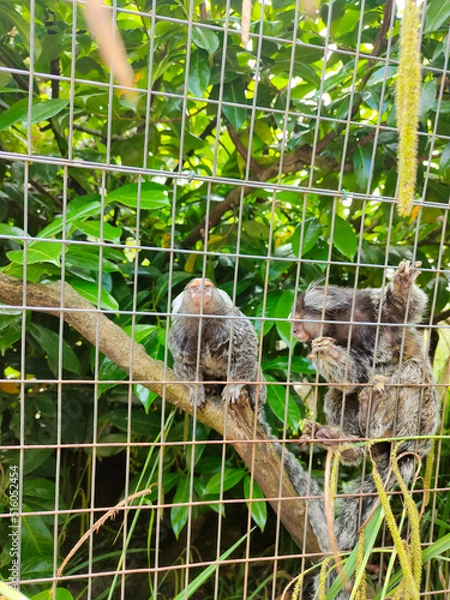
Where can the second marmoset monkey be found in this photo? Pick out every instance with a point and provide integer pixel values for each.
(212, 340)
(364, 337)
(357, 337)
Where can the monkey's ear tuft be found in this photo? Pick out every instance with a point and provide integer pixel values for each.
(226, 298)
(176, 304)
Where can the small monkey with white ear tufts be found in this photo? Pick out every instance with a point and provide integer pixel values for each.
(362, 337)
(351, 348)
(226, 351)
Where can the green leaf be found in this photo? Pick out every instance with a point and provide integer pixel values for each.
(258, 509)
(22, 26)
(179, 514)
(50, 341)
(444, 162)
(438, 13)
(89, 291)
(100, 231)
(153, 196)
(276, 398)
(77, 211)
(344, 237)
(87, 257)
(146, 397)
(427, 98)
(299, 364)
(199, 73)
(312, 231)
(10, 328)
(206, 39)
(38, 252)
(230, 478)
(283, 310)
(362, 163)
(61, 594)
(41, 111)
(35, 459)
(141, 333)
(234, 93)
(162, 284)
(39, 488)
(256, 230)
(36, 537)
(108, 370)
(11, 231)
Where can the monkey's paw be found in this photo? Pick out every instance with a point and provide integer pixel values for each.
(231, 392)
(329, 437)
(405, 275)
(197, 395)
(320, 433)
(371, 396)
(324, 348)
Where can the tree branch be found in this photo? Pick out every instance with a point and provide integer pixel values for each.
(261, 458)
(300, 157)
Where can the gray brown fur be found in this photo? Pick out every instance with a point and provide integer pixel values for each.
(227, 350)
(399, 398)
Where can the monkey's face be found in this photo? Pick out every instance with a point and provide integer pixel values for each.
(304, 330)
(202, 294)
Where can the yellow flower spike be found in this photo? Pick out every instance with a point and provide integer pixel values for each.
(414, 590)
(415, 551)
(361, 592)
(407, 106)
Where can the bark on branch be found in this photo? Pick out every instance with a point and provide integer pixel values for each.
(255, 449)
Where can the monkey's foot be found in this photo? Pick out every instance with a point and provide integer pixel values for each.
(231, 392)
(324, 348)
(370, 396)
(197, 395)
(405, 275)
(330, 437)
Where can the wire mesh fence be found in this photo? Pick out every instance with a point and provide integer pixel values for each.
(230, 211)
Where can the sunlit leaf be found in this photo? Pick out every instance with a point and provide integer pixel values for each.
(206, 39)
(199, 73)
(149, 195)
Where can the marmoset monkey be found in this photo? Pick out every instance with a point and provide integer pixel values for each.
(228, 346)
(362, 337)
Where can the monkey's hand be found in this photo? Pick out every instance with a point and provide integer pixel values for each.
(405, 276)
(231, 392)
(324, 348)
(335, 363)
(328, 437)
(370, 398)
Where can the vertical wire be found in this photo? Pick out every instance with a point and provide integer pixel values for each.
(286, 117)
(194, 419)
(443, 391)
(224, 445)
(257, 407)
(160, 497)
(23, 356)
(310, 185)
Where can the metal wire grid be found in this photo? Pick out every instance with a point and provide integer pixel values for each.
(180, 177)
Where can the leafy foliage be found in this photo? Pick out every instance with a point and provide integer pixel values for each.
(231, 162)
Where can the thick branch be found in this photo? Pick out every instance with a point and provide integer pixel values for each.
(262, 458)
